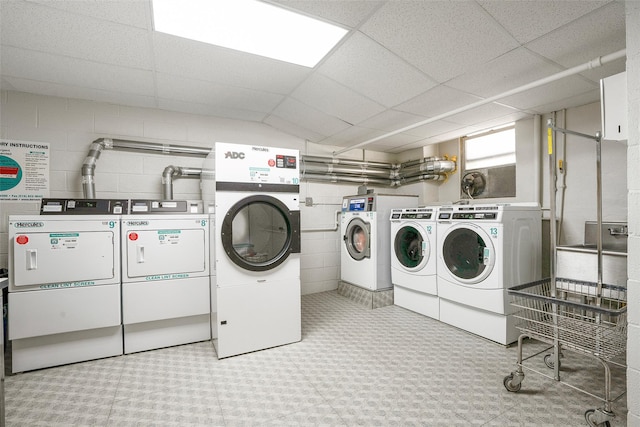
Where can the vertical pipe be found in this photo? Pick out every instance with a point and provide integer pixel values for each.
(537, 164)
(552, 243)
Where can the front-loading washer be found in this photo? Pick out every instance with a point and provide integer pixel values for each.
(365, 253)
(482, 251)
(413, 260)
(257, 248)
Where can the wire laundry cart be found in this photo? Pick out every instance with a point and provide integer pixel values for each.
(584, 317)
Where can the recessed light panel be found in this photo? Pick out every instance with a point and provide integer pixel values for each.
(249, 26)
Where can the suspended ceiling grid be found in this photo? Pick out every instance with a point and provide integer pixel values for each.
(402, 62)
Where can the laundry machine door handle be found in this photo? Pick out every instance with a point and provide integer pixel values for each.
(32, 259)
(140, 254)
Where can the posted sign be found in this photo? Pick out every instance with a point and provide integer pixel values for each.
(24, 170)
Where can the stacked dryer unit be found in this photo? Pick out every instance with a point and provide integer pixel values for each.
(482, 251)
(365, 255)
(257, 248)
(165, 275)
(413, 260)
(64, 283)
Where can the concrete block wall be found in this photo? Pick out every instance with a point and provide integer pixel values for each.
(70, 125)
(633, 186)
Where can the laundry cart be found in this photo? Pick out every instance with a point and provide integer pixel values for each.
(585, 317)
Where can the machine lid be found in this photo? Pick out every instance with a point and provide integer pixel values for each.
(468, 253)
(259, 232)
(357, 239)
(411, 247)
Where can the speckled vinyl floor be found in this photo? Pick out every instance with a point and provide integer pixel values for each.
(354, 366)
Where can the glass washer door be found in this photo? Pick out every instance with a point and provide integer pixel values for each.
(357, 239)
(411, 247)
(259, 232)
(468, 253)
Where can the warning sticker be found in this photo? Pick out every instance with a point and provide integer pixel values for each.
(169, 237)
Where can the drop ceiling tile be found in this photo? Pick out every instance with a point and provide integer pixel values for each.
(438, 37)
(35, 27)
(309, 118)
(529, 19)
(351, 136)
(336, 100)
(439, 100)
(596, 34)
(223, 96)
(188, 58)
(209, 110)
(76, 72)
(350, 13)
(134, 13)
(391, 120)
(67, 91)
(370, 69)
(568, 102)
(509, 71)
(549, 93)
(293, 129)
(480, 114)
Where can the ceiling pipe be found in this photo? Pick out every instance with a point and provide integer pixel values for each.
(171, 172)
(594, 63)
(348, 162)
(345, 170)
(352, 179)
(419, 161)
(431, 167)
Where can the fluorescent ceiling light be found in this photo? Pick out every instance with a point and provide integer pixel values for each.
(249, 26)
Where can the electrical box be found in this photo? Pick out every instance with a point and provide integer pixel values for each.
(613, 105)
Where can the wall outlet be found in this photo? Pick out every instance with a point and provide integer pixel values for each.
(308, 201)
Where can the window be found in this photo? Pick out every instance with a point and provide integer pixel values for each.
(490, 149)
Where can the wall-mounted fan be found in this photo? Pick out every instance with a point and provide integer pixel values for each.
(473, 184)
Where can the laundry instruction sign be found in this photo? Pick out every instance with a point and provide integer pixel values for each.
(24, 170)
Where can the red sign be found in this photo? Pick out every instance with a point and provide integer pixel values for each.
(22, 240)
(272, 162)
(133, 236)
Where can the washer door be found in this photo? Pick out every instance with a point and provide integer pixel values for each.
(357, 239)
(411, 247)
(259, 232)
(468, 253)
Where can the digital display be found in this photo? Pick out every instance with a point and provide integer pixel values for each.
(444, 216)
(471, 215)
(357, 204)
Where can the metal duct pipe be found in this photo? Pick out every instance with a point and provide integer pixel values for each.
(418, 161)
(324, 168)
(341, 178)
(89, 164)
(176, 171)
(422, 177)
(431, 167)
(594, 63)
(347, 162)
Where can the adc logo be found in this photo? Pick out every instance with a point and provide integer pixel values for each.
(233, 155)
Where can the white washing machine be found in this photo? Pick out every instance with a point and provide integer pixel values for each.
(165, 275)
(482, 251)
(257, 247)
(64, 283)
(365, 259)
(413, 260)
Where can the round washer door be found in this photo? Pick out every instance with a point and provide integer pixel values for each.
(411, 247)
(357, 239)
(259, 232)
(468, 253)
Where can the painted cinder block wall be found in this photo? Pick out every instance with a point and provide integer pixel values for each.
(633, 186)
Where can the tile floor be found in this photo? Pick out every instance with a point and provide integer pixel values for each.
(354, 366)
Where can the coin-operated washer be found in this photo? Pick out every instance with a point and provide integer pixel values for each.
(64, 283)
(257, 248)
(165, 274)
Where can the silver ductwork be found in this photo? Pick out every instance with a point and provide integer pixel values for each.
(312, 168)
(171, 172)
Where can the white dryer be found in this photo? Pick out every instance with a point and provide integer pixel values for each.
(482, 251)
(413, 260)
(257, 248)
(64, 283)
(365, 255)
(165, 275)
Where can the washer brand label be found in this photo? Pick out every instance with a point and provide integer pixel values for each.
(67, 285)
(34, 224)
(266, 149)
(234, 155)
(167, 276)
(137, 222)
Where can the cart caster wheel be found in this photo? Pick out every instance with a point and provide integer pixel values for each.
(548, 360)
(509, 385)
(589, 418)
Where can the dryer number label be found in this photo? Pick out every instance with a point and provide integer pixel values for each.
(493, 231)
